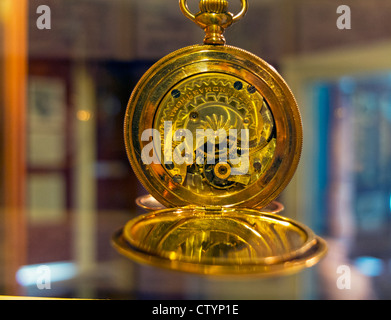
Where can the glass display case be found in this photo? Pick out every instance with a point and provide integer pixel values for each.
(67, 69)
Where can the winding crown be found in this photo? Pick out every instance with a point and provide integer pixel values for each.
(213, 18)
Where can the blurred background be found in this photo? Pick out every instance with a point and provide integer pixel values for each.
(65, 182)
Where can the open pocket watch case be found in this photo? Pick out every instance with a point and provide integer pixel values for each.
(214, 134)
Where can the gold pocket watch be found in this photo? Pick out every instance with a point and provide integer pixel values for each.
(214, 134)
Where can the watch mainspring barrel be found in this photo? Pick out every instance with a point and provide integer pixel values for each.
(214, 134)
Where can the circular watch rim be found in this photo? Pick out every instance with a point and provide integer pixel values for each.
(199, 59)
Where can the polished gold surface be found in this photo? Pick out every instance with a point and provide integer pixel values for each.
(225, 242)
(203, 87)
(214, 134)
(149, 203)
